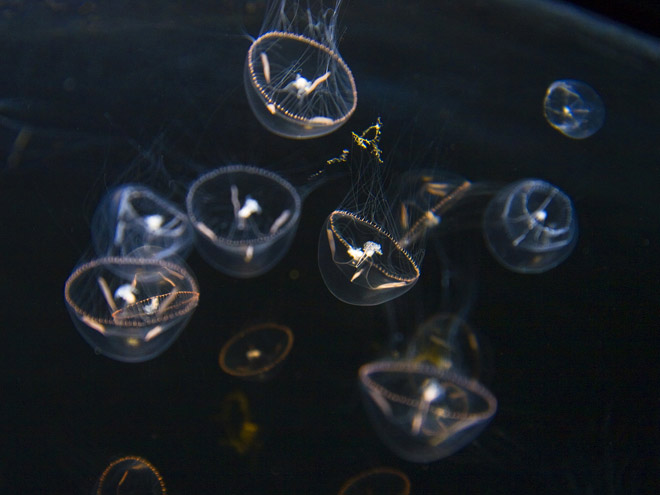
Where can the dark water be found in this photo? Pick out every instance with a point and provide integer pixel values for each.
(117, 93)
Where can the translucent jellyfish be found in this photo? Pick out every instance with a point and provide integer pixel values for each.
(530, 226)
(421, 412)
(257, 352)
(132, 217)
(447, 342)
(381, 480)
(296, 82)
(130, 475)
(367, 253)
(245, 218)
(573, 108)
(239, 431)
(131, 309)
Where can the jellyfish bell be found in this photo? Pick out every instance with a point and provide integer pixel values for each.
(132, 216)
(244, 217)
(421, 412)
(530, 226)
(297, 83)
(574, 108)
(130, 308)
(381, 480)
(130, 474)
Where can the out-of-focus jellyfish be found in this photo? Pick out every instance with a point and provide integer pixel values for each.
(530, 226)
(130, 475)
(240, 433)
(296, 82)
(131, 309)
(245, 218)
(421, 412)
(574, 108)
(381, 481)
(367, 254)
(132, 217)
(447, 342)
(257, 352)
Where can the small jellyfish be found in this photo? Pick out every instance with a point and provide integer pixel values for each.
(132, 217)
(574, 108)
(530, 226)
(131, 309)
(130, 475)
(421, 412)
(245, 218)
(297, 84)
(381, 481)
(447, 342)
(257, 352)
(367, 255)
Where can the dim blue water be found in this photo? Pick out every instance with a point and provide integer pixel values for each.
(92, 96)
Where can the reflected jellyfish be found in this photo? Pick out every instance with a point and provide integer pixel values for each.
(381, 481)
(132, 217)
(131, 309)
(421, 412)
(530, 226)
(297, 84)
(573, 108)
(447, 342)
(256, 352)
(130, 475)
(367, 254)
(245, 218)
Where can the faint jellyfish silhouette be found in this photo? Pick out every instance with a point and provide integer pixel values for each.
(245, 218)
(366, 254)
(530, 226)
(132, 216)
(421, 412)
(130, 475)
(381, 481)
(257, 352)
(447, 342)
(131, 309)
(297, 84)
(240, 433)
(573, 108)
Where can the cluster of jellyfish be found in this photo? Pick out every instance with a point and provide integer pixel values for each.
(131, 301)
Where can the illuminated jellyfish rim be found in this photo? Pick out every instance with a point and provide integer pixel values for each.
(308, 123)
(376, 471)
(222, 241)
(135, 458)
(406, 254)
(527, 187)
(255, 328)
(471, 385)
(185, 307)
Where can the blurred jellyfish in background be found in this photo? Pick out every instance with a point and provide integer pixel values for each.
(130, 308)
(530, 226)
(245, 218)
(131, 217)
(297, 84)
(421, 412)
(574, 108)
(380, 480)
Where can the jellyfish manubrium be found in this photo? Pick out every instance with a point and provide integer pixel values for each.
(574, 108)
(132, 219)
(131, 309)
(297, 84)
(245, 218)
(530, 226)
(370, 248)
(421, 412)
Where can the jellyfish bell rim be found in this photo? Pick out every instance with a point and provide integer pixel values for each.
(298, 127)
(221, 241)
(595, 117)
